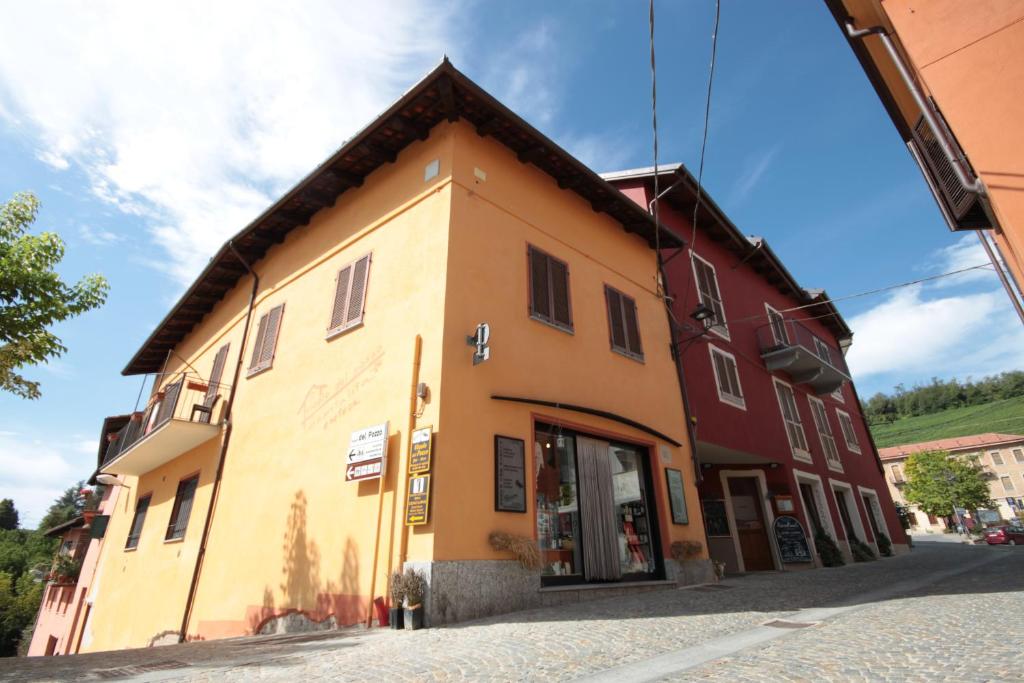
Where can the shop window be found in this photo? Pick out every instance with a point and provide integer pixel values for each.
(349, 296)
(137, 521)
(549, 290)
(623, 325)
(727, 377)
(266, 341)
(710, 295)
(182, 508)
(791, 418)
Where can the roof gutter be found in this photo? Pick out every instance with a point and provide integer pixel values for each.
(973, 185)
(222, 456)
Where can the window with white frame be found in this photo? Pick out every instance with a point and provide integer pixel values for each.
(727, 377)
(822, 350)
(828, 441)
(778, 326)
(791, 418)
(709, 294)
(850, 436)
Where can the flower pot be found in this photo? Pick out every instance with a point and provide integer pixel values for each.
(413, 618)
(89, 515)
(395, 617)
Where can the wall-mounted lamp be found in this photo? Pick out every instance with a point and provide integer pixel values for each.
(702, 313)
(773, 465)
(110, 480)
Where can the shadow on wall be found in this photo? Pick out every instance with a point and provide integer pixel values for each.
(308, 602)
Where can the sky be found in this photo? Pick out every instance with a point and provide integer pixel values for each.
(152, 132)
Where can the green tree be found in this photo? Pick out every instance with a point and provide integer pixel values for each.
(33, 296)
(65, 508)
(937, 482)
(8, 515)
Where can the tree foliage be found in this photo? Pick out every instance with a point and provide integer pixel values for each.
(937, 482)
(33, 296)
(942, 395)
(8, 515)
(65, 508)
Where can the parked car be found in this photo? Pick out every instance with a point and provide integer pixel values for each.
(1007, 534)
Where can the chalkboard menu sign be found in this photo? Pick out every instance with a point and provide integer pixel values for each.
(676, 496)
(715, 520)
(789, 535)
(509, 474)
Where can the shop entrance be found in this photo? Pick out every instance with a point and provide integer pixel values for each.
(750, 526)
(596, 519)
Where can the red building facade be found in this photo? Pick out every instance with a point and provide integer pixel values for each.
(776, 420)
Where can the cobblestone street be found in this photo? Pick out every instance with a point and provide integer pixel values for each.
(944, 612)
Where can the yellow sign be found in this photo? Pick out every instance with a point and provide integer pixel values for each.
(417, 501)
(419, 455)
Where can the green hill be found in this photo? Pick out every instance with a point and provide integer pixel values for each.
(1006, 417)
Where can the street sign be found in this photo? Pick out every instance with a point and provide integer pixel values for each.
(419, 455)
(417, 501)
(367, 453)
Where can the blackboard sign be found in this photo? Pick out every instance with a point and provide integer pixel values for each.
(509, 474)
(676, 496)
(715, 520)
(791, 540)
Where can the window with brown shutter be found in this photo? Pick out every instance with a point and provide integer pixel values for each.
(349, 296)
(710, 295)
(213, 389)
(623, 324)
(727, 377)
(549, 290)
(182, 508)
(141, 506)
(266, 340)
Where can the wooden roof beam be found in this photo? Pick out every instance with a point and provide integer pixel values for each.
(351, 179)
(448, 99)
(409, 128)
(532, 155)
(489, 127)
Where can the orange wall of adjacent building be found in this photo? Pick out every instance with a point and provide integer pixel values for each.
(970, 58)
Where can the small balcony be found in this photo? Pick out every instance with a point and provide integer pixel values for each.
(182, 415)
(790, 346)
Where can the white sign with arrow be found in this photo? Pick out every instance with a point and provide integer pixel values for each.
(367, 453)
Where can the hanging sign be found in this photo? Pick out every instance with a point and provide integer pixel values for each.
(417, 501)
(367, 453)
(419, 455)
(789, 535)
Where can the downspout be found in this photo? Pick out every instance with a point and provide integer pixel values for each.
(1014, 298)
(975, 185)
(221, 457)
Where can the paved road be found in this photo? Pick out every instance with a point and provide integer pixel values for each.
(945, 612)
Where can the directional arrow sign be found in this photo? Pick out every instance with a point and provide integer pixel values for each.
(367, 453)
(364, 470)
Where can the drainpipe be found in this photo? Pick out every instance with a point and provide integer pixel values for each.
(228, 424)
(1014, 299)
(971, 185)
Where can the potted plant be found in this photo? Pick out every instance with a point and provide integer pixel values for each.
(414, 585)
(396, 588)
(65, 569)
(90, 504)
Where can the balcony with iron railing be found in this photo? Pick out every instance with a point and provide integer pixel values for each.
(182, 415)
(790, 346)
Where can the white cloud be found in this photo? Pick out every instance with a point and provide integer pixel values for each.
(195, 116)
(525, 76)
(754, 167)
(35, 472)
(98, 236)
(602, 153)
(966, 252)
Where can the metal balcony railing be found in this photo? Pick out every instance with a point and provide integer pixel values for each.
(184, 398)
(791, 346)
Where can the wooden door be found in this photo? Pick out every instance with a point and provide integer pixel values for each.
(748, 514)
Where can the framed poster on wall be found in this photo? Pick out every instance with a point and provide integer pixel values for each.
(676, 496)
(715, 518)
(509, 474)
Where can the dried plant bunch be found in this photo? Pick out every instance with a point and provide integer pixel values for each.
(523, 548)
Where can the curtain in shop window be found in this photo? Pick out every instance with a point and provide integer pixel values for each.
(597, 511)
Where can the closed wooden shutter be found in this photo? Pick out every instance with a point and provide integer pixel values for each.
(540, 292)
(560, 309)
(182, 508)
(266, 340)
(213, 390)
(257, 347)
(615, 320)
(137, 521)
(350, 296)
(632, 326)
(707, 289)
(166, 410)
(340, 298)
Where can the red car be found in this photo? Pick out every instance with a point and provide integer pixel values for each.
(1008, 535)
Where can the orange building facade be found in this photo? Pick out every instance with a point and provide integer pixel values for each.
(949, 74)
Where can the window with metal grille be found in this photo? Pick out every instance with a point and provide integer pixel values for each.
(182, 508)
(828, 441)
(791, 418)
(727, 377)
(997, 458)
(549, 290)
(349, 296)
(849, 435)
(137, 521)
(623, 323)
(709, 294)
(778, 325)
(266, 340)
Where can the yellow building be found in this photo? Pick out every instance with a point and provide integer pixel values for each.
(344, 310)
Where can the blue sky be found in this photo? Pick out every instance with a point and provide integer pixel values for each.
(153, 133)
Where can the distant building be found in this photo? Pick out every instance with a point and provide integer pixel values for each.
(1000, 455)
(949, 73)
(777, 423)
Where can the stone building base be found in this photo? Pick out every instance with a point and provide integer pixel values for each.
(471, 589)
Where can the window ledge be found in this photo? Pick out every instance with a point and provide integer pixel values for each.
(730, 401)
(174, 540)
(557, 326)
(339, 331)
(638, 357)
(252, 373)
(132, 549)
